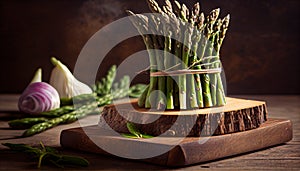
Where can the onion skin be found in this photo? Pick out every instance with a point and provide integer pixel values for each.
(38, 97)
(65, 83)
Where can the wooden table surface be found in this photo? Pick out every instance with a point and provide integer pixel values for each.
(281, 157)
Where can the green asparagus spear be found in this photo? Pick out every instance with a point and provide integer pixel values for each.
(205, 80)
(175, 31)
(193, 82)
(187, 95)
(161, 102)
(200, 26)
(58, 112)
(25, 122)
(216, 88)
(169, 63)
(224, 28)
(220, 90)
(169, 26)
(210, 51)
(198, 20)
(185, 62)
(104, 86)
(156, 26)
(142, 26)
(177, 49)
(142, 98)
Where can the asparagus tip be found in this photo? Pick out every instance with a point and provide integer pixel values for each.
(154, 6)
(196, 8)
(225, 21)
(168, 3)
(215, 13)
(177, 4)
(184, 8)
(227, 18)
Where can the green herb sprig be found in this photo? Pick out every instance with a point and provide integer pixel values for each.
(46, 154)
(134, 132)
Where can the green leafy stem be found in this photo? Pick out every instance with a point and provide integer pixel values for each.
(46, 154)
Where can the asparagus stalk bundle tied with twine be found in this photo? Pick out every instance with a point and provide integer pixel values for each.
(187, 74)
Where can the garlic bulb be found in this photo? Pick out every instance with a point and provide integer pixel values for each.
(65, 83)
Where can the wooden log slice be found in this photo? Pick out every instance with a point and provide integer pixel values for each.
(236, 116)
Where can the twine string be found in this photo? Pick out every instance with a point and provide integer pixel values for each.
(185, 72)
(188, 70)
(203, 59)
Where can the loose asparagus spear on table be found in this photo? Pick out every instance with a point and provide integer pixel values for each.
(104, 86)
(26, 122)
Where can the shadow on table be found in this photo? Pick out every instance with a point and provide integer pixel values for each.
(19, 161)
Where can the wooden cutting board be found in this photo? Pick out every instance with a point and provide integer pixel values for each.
(189, 150)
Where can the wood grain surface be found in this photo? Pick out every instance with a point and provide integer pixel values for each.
(189, 151)
(281, 157)
(237, 115)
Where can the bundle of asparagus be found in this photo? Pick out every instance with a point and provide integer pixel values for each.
(192, 78)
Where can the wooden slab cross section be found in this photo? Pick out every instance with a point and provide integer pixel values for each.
(236, 116)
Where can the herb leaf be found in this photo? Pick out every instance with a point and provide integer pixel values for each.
(133, 129)
(48, 154)
(134, 132)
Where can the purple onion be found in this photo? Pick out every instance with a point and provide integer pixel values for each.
(38, 97)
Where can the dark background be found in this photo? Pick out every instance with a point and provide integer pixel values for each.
(260, 54)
